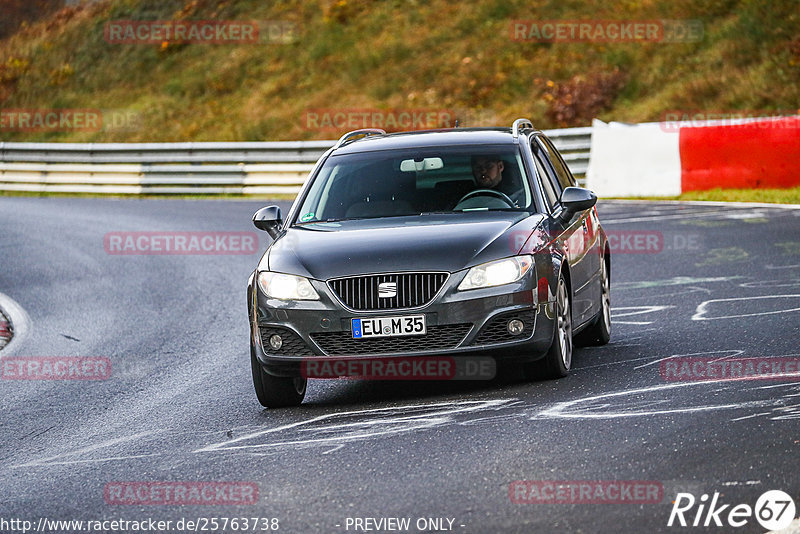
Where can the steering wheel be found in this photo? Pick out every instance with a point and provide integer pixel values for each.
(491, 192)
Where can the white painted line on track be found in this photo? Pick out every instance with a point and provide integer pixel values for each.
(54, 460)
(777, 267)
(617, 312)
(734, 352)
(750, 416)
(693, 215)
(677, 281)
(702, 308)
(94, 460)
(603, 407)
(395, 420)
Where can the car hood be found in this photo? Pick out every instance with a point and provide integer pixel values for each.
(446, 242)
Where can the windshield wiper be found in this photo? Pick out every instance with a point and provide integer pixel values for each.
(322, 221)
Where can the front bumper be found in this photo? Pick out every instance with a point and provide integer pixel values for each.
(458, 322)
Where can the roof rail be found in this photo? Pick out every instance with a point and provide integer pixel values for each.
(520, 124)
(356, 133)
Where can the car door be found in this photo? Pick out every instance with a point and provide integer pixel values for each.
(581, 239)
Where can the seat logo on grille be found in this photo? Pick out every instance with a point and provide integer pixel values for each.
(387, 290)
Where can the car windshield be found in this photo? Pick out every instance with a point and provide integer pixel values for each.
(394, 183)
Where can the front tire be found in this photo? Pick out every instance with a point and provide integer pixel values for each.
(558, 361)
(276, 391)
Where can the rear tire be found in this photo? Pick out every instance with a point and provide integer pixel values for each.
(558, 361)
(600, 332)
(276, 391)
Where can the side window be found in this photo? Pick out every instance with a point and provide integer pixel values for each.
(565, 178)
(547, 184)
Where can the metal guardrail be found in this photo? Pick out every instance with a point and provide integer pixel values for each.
(574, 145)
(192, 168)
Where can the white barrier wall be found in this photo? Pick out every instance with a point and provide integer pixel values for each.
(634, 160)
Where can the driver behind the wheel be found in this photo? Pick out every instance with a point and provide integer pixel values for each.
(488, 174)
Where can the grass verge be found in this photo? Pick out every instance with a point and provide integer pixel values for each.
(225, 196)
(769, 196)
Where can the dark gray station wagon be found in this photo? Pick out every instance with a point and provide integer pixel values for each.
(446, 242)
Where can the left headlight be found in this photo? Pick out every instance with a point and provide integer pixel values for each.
(286, 286)
(497, 273)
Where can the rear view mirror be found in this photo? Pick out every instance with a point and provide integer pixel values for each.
(269, 220)
(426, 164)
(575, 199)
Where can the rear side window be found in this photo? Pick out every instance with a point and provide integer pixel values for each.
(547, 184)
(563, 175)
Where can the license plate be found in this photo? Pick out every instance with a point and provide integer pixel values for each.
(407, 325)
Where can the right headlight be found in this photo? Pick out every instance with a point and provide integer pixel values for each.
(286, 286)
(497, 273)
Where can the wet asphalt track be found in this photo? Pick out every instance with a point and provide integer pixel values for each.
(179, 405)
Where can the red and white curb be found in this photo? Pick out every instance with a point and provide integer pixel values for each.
(14, 324)
(5, 330)
(667, 159)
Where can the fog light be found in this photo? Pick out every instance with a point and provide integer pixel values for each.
(515, 327)
(275, 342)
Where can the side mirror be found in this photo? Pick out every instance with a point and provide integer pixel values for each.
(269, 220)
(575, 199)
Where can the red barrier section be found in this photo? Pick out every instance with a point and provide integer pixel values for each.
(762, 154)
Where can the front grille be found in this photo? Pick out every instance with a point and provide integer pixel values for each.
(293, 345)
(437, 338)
(413, 290)
(495, 331)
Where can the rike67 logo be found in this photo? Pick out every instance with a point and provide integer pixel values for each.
(774, 510)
